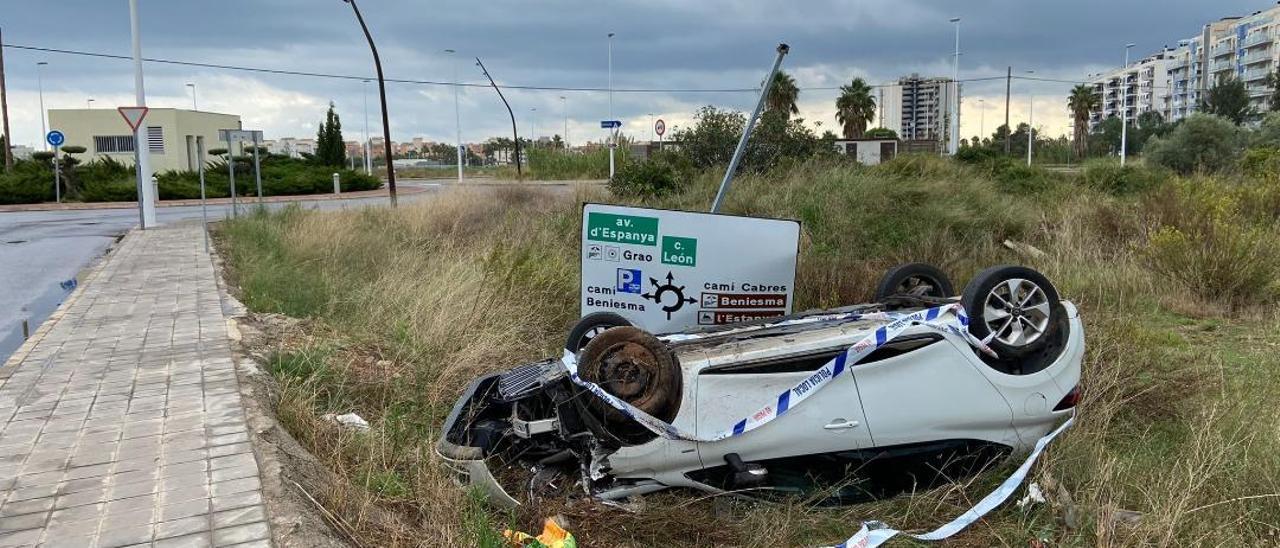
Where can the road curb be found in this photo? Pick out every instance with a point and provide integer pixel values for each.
(90, 273)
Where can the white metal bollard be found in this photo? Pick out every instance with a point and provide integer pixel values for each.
(155, 187)
(337, 183)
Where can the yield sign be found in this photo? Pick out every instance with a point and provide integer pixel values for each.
(133, 116)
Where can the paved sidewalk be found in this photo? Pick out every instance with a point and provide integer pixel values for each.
(121, 421)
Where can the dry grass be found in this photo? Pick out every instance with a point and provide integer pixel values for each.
(1179, 421)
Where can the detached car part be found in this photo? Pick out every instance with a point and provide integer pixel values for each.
(922, 407)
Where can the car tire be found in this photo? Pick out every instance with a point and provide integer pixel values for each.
(591, 325)
(637, 368)
(914, 279)
(1019, 304)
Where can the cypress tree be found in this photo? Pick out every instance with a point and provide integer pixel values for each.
(330, 150)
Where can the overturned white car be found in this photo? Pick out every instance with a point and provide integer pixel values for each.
(839, 405)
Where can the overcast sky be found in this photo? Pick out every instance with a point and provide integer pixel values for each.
(668, 44)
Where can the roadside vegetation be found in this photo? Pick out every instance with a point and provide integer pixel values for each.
(106, 180)
(1175, 276)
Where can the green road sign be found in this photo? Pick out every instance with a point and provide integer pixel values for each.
(623, 229)
(679, 250)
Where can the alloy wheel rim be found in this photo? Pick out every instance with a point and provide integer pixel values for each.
(1016, 312)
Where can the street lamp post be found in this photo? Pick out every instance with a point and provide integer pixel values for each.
(142, 163)
(193, 96)
(982, 118)
(44, 129)
(88, 103)
(368, 143)
(1124, 105)
(515, 132)
(382, 97)
(457, 115)
(1031, 120)
(955, 89)
(613, 141)
(533, 135)
(564, 112)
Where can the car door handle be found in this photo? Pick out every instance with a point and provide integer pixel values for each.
(840, 424)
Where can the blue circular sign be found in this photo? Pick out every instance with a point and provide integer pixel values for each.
(55, 138)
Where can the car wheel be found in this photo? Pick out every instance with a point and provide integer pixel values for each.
(1018, 305)
(916, 280)
(639, 369)
(590, 326)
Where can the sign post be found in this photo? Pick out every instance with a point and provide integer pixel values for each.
(232, 136)
(56, 138)
(612, 125)
(669, 270)
(134, 116)
(204, 213)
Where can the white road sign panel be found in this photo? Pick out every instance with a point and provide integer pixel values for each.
(233, 135)
(669, 270)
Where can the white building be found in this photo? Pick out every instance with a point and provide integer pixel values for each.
(916, 108)
(1245, 48)
(169, 134)
(1137, 88)
(291, 146)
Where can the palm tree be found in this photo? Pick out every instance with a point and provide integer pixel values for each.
(1082, 102)
(783, 95)
(855, 108)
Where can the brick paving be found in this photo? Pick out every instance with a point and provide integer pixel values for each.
(121, 422)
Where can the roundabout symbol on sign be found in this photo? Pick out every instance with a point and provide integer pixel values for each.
(55, 138)
(670, 287)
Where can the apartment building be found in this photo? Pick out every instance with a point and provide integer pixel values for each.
(291, 146)
(1173, 81)
(1245, 48)
(1132, 90)
(916, 107)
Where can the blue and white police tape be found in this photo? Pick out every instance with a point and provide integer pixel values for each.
(947, 318)
(875, 533)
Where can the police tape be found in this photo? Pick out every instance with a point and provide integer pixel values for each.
(948, 318)
(875, 533)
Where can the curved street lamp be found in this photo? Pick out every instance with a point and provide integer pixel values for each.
(382, 96)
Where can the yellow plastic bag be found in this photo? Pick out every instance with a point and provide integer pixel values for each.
(553, 536)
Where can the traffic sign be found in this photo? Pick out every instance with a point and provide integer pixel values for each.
(607, 124)
(660, 127)
(231, 135)
(55, 138)
(667, 270)
(133, 116)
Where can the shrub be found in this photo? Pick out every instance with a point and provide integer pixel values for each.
(775, 138)
(1261, 162)
(555, 164)
(1019, 178)
(977, 155)
(1268, 132)
(1201, 144)
(651, 177)
(1201, 238)
(1112, 178)
(30, 181)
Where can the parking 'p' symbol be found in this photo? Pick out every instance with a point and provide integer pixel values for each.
(629, 281)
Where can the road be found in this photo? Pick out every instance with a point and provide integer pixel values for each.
(40, 251)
